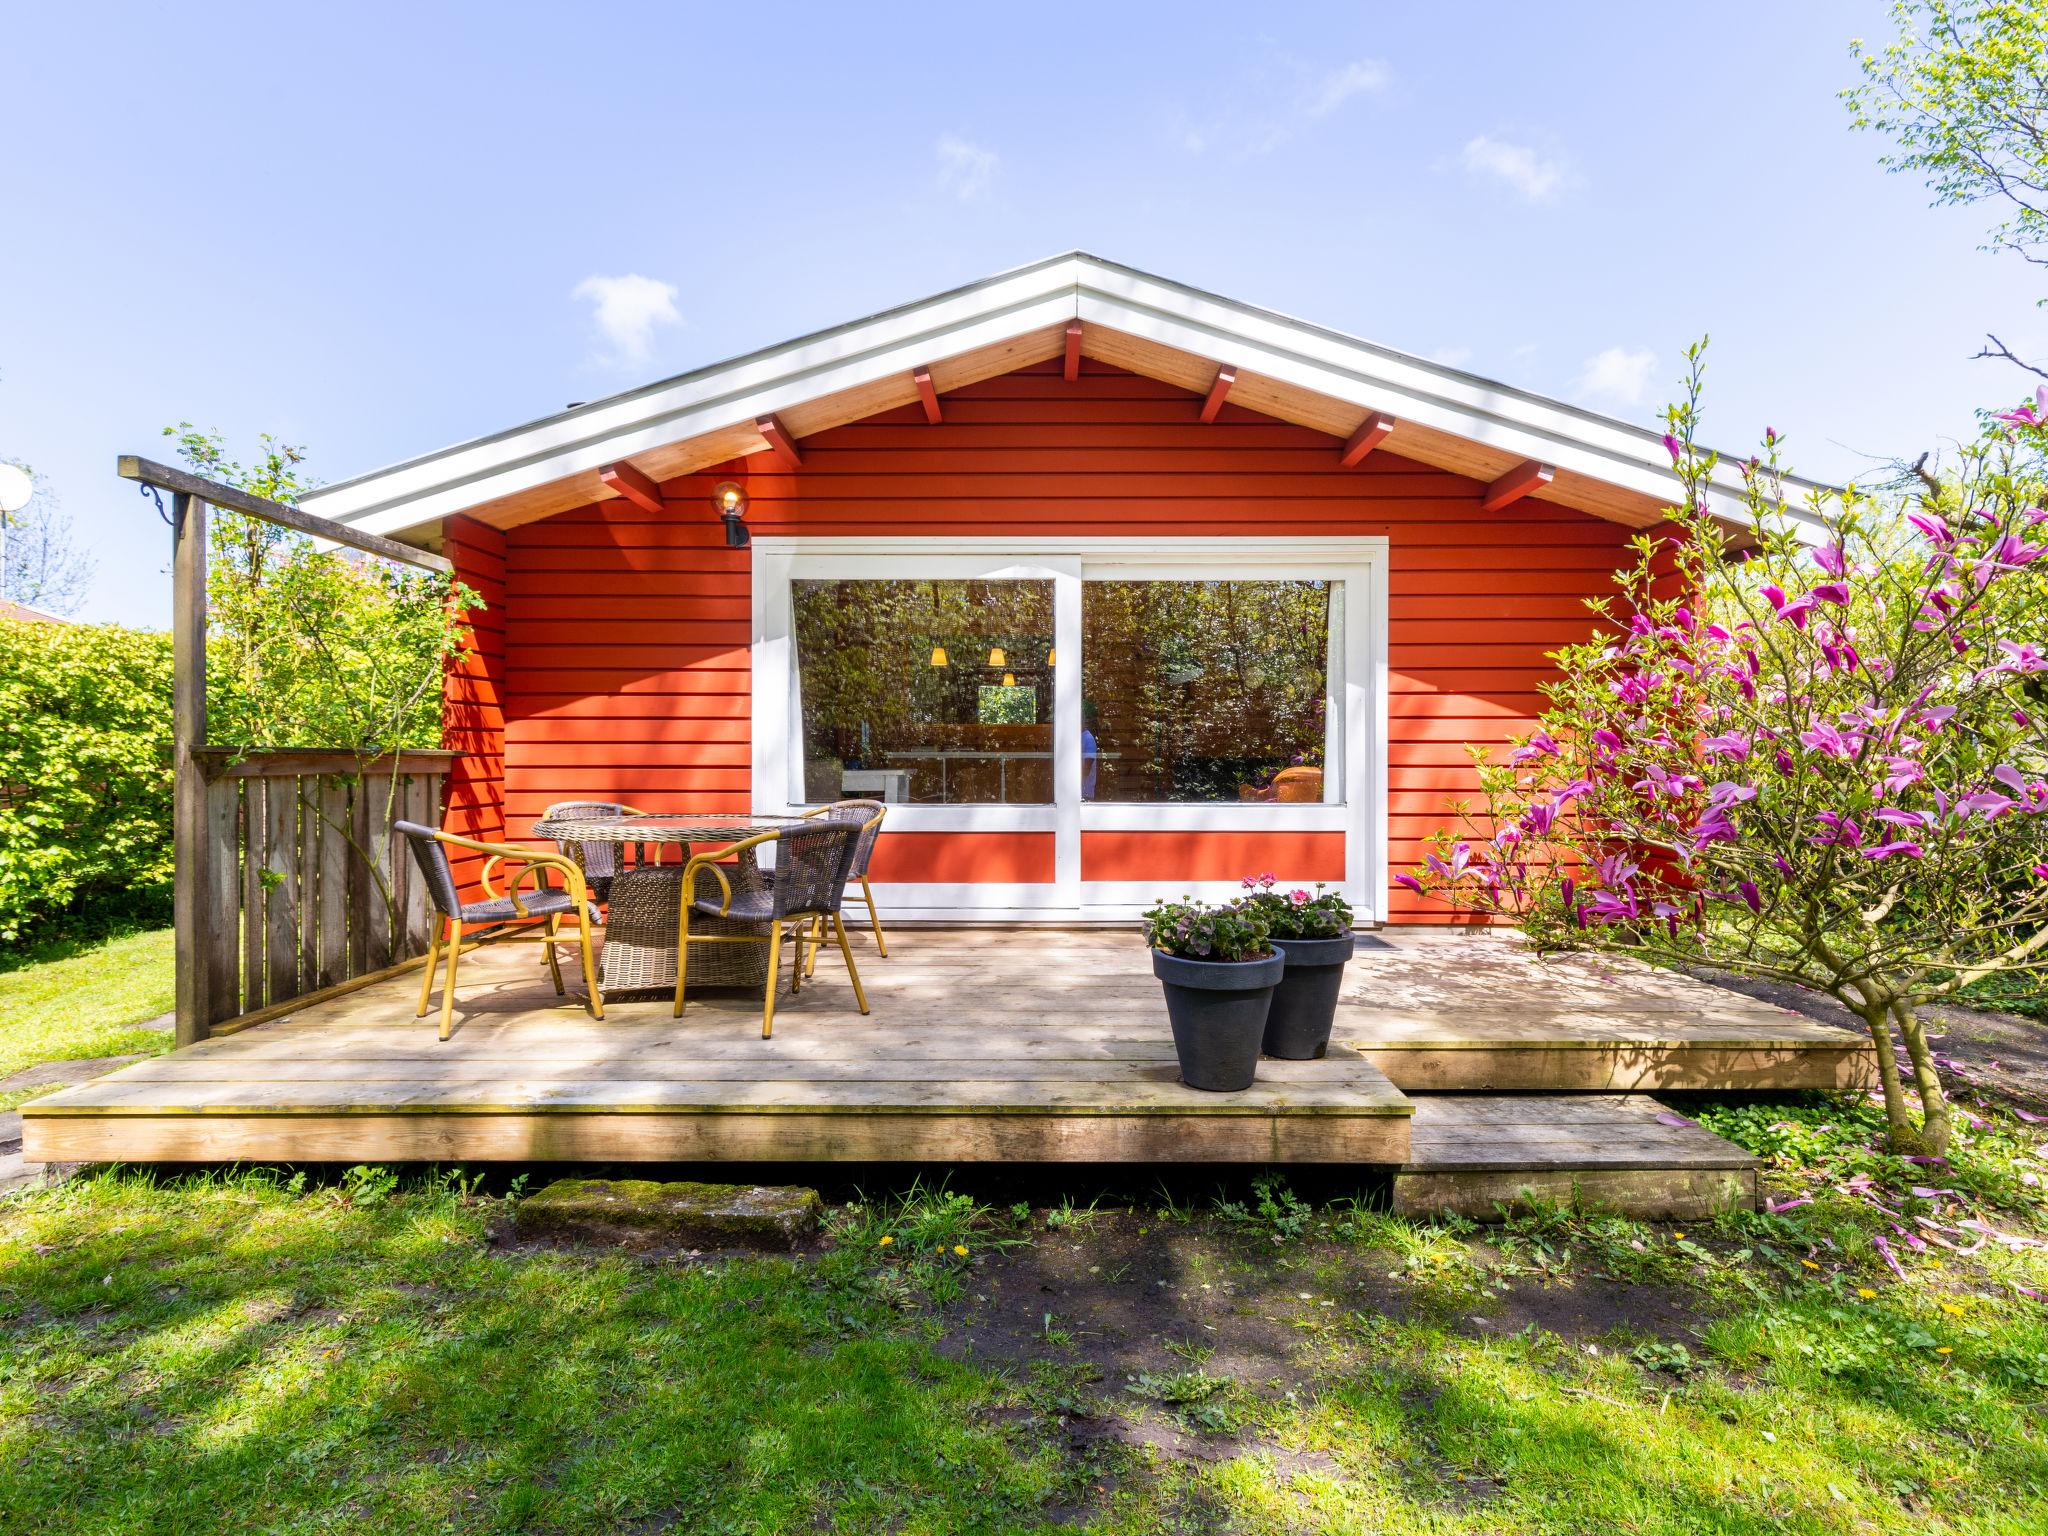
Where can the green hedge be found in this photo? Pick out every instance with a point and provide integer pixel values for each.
(85, 777)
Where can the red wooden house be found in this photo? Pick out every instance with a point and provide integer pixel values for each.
(1112, 587)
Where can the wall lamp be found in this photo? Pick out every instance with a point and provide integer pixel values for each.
(729, 498)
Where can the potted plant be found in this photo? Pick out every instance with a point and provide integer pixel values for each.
(1219, 972)
(1313, 932)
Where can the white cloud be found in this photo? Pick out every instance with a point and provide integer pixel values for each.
(966, 169)
(1535, 177)
(1451, 357)
(1620, 374)
(1359, 77)
(629, 309)
(1309, 95)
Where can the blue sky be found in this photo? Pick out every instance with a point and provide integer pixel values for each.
(379, 230)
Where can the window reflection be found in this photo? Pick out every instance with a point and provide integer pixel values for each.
(1206, 690)
(926, 692)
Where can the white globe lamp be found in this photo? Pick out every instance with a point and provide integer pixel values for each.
(16, 489)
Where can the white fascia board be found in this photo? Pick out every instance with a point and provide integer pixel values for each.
(1046, 294)
(1408, 388)
(760, 385)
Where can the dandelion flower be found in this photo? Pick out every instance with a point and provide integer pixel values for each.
(961, 1249)
(1865, 1292)
(1809, 1264)
(1944, 1350)
(1678, 1237)
(884, 1242)
(1951, 1309)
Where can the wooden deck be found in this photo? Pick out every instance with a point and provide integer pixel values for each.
(983, 1046)
(1483, 1013)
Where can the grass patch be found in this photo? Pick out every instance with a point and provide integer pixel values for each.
(368, 1353)
(66, 1000)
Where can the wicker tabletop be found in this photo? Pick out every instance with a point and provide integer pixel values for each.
(661, 827)
(645, 909)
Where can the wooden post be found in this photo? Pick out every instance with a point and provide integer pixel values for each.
(194, 904)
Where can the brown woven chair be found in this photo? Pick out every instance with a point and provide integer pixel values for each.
(497, 914)
(812, 865)
(867, 816)
(600, 862)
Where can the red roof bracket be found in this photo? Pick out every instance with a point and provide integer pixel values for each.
(780, 443)
(634, 485)
(927, 396)
(1529, 475)
(1225, 377)
(1072, 368)
(1370, 434)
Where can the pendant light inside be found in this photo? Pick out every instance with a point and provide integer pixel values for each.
(996, 658)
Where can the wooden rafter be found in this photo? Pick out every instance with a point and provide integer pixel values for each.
(1225, 377)
(1071, 369)
(779, 442)
(927, 396)
(1529, 475)
(1370, 434)
(635, 486)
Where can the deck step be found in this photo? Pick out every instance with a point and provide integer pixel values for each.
(1471, 1154)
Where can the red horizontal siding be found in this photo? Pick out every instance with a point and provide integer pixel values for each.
(474, 717)
(963, 858)
(1169, 856)
(624, 666)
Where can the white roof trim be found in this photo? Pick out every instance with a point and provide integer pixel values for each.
(424, 490)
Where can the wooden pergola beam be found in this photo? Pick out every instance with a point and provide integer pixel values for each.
(1070, 368)
(1225, 377)
(1370, 434)
(134, 467)
(779, 442)
(634, 485)
(1529, 475)
(927, 395)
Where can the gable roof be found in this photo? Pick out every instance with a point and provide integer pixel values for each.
(1285, 368)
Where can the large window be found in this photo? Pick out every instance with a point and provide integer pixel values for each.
(1199, 691)
(925, 692)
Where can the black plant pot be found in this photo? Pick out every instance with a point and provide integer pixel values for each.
(1218, 1011)
(1305, 1002)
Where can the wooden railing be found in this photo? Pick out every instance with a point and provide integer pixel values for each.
(264, 908)
(310, 888)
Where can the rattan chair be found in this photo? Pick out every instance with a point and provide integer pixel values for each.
(867, 816)
(812, 865)
(600, 862)
(498, 914)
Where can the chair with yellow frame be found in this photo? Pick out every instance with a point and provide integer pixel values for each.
(867, 816)
(506, 918)
(812, 866)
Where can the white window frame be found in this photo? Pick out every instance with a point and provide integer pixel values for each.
(1357, 804)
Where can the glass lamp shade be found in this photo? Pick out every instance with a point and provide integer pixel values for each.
(1009, 679)
(1051, 657)
(996, 658)
(729, 497)
(938, 656)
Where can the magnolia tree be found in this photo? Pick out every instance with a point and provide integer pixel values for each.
(1816, 757)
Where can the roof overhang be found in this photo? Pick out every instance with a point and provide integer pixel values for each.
(1284, 368)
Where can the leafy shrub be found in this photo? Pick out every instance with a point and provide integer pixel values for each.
(1199, 930)
(1297, 914)
(85, 776)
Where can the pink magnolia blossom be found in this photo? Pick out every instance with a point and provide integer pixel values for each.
(1829, 557)
(1730, 744)
(1886, 850)
(1935, 527)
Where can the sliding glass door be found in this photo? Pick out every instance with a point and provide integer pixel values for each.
(1077, 728)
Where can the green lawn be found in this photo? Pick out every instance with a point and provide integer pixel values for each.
(260, 1352)
(65, 1000)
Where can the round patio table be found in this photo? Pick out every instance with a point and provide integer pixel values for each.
(646, 906)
